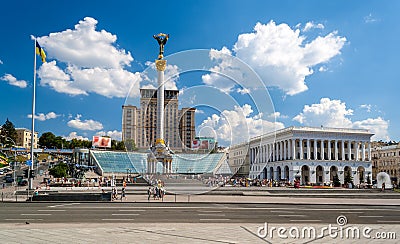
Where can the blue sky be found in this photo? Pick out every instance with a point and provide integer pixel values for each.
(330, 63)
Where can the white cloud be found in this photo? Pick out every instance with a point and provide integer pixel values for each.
(311, 25)
(238, 125)
(227, 67)
(84, 125)
(74, 135)
(329, 113)
(277, 115)
(377, 126)
(367, 107)
(93, 63)
(370, 19)
(334, 113)
(43, 117)
(115, 135)
(243, 91)
(281, 56)
(199, 111)
(13, 81)
(322, 69)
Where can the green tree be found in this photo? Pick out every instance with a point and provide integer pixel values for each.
(8, 131)
(336, 181)
(47, 140)
(59, 170)
(130, 145)
(348, 178)
(117, 145)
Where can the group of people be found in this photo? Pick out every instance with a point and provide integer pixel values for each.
(114, 195)
(157, 191)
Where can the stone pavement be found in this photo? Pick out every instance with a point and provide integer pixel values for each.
(181, 233)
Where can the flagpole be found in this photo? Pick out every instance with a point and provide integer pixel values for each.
(33, 116)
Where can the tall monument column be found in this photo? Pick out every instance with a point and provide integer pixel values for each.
(160, 152)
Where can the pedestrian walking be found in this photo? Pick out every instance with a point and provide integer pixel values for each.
(148, 194)
(123, 194)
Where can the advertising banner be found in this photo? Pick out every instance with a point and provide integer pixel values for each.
(100, 141)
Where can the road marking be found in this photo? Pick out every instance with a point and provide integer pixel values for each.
(210, 214)
(132, 210)
(291, 215)
(116, 219)
(214, 219)
(209, 211)
(281, 211)
(235, 208)
(33, 214)
(305, 220)
(351, 212)
(52, 210)
(126, 214)
(62, 205)
(388, 221)
(22, 219)
(370, 216)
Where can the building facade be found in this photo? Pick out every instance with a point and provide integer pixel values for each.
(238, 159)
(24, 138)
(187, 129)
(312, 155)
(386, 159)
(140, 124)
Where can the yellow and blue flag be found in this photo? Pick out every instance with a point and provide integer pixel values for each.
(40, 52)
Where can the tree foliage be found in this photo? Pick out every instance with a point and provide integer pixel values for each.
(8, 131)
(59, 170)
(47, 140)
(348, 178)
(336, 181)
(130, 145)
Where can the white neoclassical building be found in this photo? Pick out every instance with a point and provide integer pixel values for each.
(312, 154)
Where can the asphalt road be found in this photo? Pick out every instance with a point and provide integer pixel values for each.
(194, 213)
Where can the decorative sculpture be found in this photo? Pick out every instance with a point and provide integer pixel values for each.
(162, 40)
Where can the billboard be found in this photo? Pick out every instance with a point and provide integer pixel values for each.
(203, 143)
(100, 141)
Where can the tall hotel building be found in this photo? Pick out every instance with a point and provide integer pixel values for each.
(139, 124)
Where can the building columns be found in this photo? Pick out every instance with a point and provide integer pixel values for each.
(363, 151)
(308, 150)
(284, 150)
(349, 147)
(369, 151)
(343, 156)
(294, 148)
(357, 144)
(329, 150)
(315, 150)
(322, 150)
(336, 151)
(301, 148)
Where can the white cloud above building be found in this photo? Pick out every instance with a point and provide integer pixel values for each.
(334, 113)
(237, 125)
(74, 135)
(114, 134)
(280, 55)
(89, 124)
